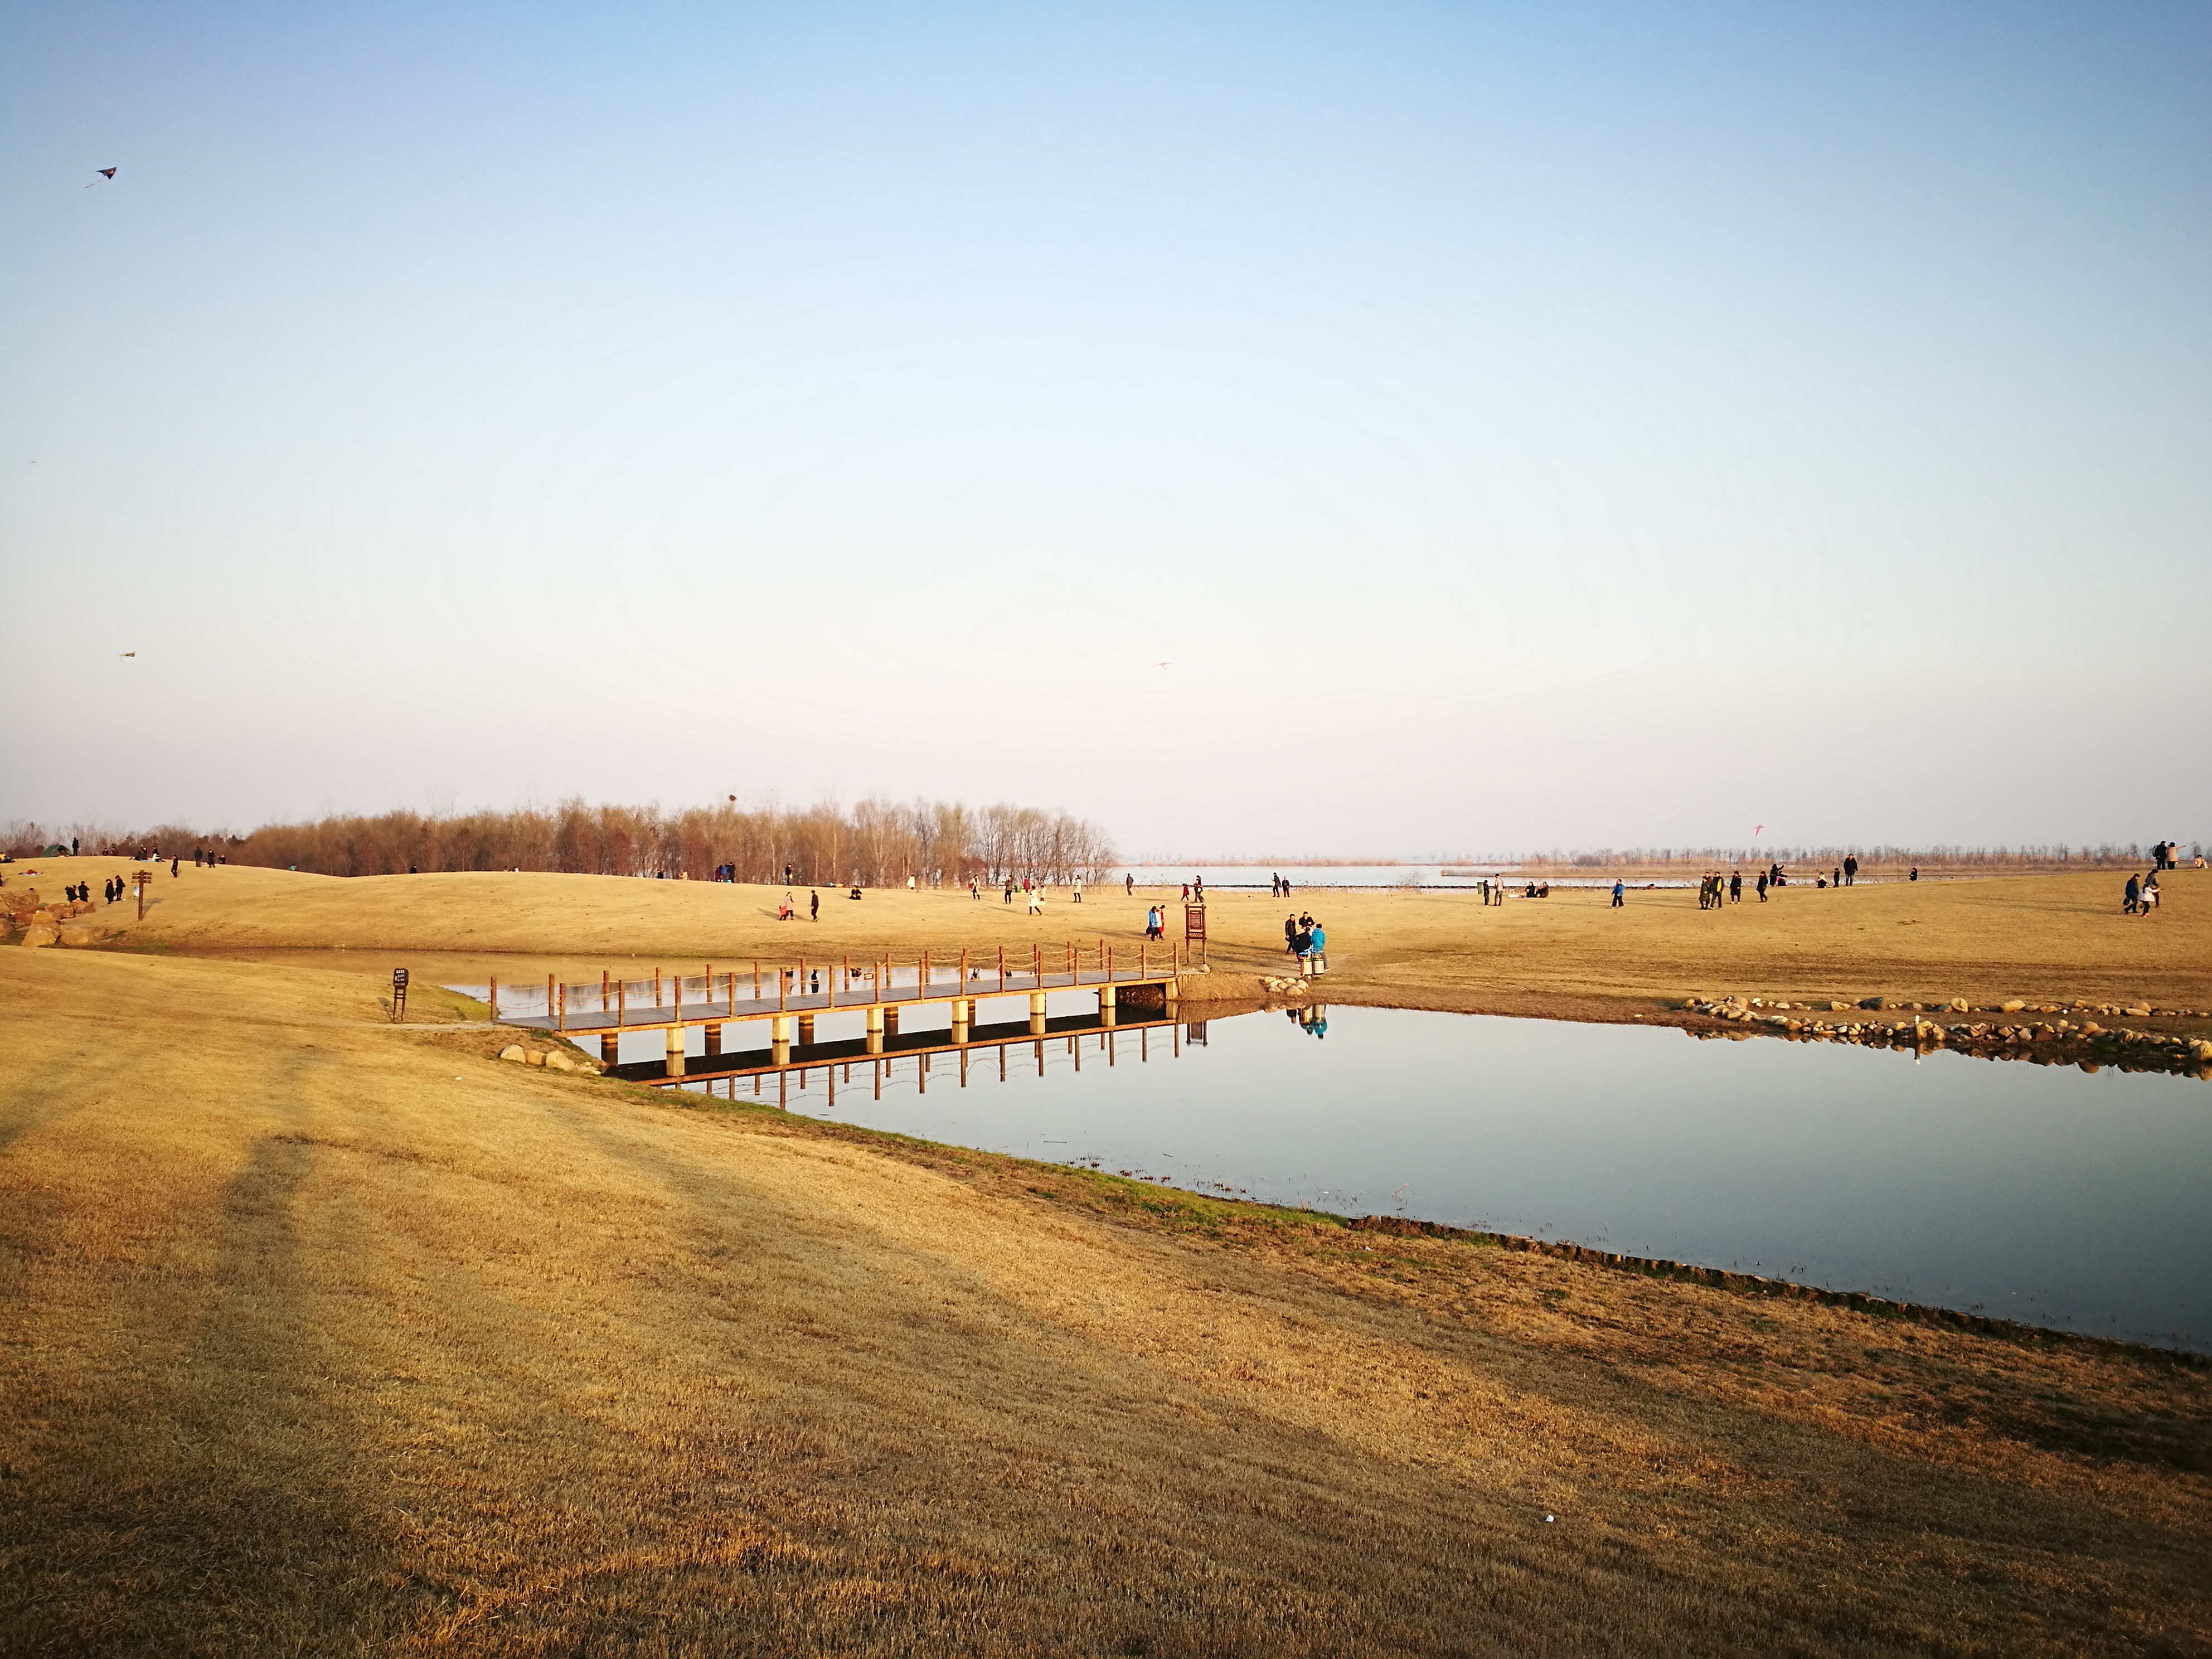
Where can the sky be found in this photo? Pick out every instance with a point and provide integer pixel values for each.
(1362, 430)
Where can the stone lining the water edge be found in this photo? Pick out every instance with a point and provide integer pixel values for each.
(2045, 1042)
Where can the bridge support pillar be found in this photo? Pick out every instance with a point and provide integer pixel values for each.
(960, 1006)
(779, 1040)
(876, 1029)
(1036, 1013)
(1105, 1005)
(1169, 991)
(714, 1039)
(890, 1021)
(676, 1051)
(806, 1029)
(610, 1051)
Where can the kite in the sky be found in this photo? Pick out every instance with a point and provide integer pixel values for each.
(1162, 665)
(1755, 829)
(104, 172)
(107, 172)
(131, 654)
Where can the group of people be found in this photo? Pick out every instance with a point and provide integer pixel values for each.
(2141, 897)
(1715, 890)
(788, 910)
(2162, 854)
(1033, 895)
(1304, 938)
(1280, 887)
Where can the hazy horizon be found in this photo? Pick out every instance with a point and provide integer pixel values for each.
(1406, 424)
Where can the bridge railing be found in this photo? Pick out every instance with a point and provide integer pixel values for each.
(811, 984)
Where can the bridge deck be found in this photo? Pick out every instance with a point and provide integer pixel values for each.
(854, 1051)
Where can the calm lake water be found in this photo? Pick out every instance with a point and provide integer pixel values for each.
(2039, 1194)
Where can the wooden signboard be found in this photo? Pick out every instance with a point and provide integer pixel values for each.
(1194, 927)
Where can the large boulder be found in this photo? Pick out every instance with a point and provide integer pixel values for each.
(75, 934)
(516, 1051)
(557, 1061)
(40, 934)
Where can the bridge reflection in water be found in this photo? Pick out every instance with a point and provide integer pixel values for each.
(923, 1056)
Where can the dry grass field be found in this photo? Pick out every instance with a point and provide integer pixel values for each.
(323, 1335)
(2038, 936)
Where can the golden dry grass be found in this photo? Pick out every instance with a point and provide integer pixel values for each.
(319, 1335)
(2039, 936)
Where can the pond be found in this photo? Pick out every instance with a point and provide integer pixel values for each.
(2039, 1193)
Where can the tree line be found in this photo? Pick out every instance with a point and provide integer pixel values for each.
(876, 843)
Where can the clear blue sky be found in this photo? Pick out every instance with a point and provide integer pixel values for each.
(1513, 426)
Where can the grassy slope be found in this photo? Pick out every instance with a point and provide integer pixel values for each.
(323, 1335)
(2038, 936)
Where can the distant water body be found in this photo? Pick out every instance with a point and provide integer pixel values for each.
(1249, 878)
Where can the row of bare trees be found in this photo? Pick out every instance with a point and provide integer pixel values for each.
(877, 843)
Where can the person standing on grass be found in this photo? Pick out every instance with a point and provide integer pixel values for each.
(2131, 900)
(1617, 901)
(1736, 887)
(2150, 893)
(1290, 932)
(1762, 887)
(813, 904)
(1129, 884)
(1851, 869)
(1319, 952)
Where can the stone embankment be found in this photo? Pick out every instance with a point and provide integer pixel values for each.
(2049, 1033)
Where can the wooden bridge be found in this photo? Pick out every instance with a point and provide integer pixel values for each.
(1112, 1041)
(790, 996)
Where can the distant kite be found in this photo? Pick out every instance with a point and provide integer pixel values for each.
(104, 172)
(1162, 665)
(131, 654)
(1755, 829)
